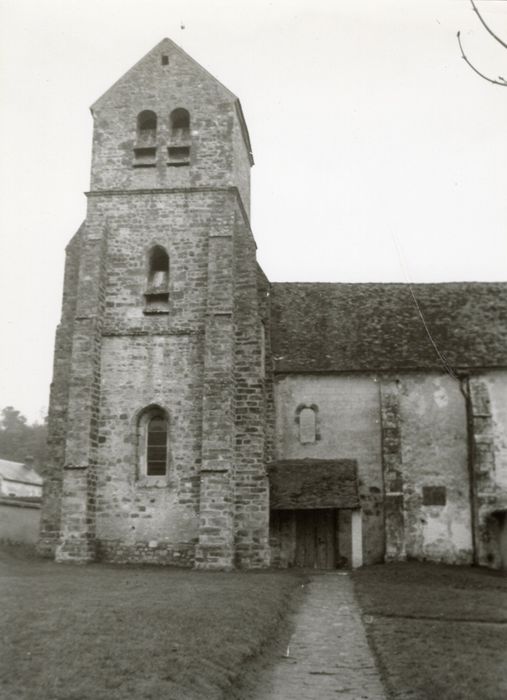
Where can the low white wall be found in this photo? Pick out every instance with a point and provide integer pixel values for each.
(19, 521)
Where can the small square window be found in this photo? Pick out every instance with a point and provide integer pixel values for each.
(178, 155)
(145, 157)
(165, 60)
(156, 303)
(434, 496)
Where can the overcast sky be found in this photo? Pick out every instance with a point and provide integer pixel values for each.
(379, 155)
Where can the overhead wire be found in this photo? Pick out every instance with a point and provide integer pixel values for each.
(404, 269)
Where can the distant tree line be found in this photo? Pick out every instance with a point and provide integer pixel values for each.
(19, 440)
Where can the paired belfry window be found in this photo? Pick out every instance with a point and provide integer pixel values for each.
(145, 150)
(178, 148)
(178, 152)
(147, 126)
(180, 120)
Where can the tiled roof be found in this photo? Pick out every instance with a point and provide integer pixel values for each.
(16, 471)
(347, 327)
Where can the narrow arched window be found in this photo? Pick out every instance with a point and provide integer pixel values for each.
(159, 269)
(180, 120)
(145, 150)
(157, 285)
(307, 426)
(153, 442)
(156, 446)
(178, 152)
(306, 419)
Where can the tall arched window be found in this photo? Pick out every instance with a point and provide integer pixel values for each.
(145, 150)
(153, 439)
(178, 152)
(157, 284)
(156, 446)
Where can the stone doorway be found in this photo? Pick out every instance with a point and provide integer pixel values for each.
(315, 518)
(319, 538)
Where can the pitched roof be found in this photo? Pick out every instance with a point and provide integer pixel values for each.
(17, 471)
(167, 45)
(320, 327)
(313, 483)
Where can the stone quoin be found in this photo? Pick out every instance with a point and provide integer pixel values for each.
(203, 416)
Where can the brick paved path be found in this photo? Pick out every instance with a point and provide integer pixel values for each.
(328, 655)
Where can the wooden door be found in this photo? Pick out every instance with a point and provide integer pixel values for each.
(316, 538)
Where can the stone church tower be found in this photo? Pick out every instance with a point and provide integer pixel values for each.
(158, 408)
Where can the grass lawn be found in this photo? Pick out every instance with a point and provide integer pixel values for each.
(100, 631)
(439, 632)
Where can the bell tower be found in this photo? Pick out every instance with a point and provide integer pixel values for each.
(157, 411)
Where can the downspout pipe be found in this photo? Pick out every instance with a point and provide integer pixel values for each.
(464, 385)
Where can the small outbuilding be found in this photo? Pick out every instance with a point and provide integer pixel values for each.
(20, 502)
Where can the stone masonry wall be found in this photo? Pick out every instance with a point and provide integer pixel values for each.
(134, 511)
(156, 360)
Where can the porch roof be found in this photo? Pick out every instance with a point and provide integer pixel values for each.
(313, 483)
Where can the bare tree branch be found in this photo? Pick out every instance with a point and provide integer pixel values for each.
(490, 31)
(501, 81)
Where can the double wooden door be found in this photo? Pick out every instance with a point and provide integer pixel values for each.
(316, 545)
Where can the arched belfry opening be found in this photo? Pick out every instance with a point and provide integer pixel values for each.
(158, 268)
(147, 126)
(145, 149)
(180, 121)
(157, 283)
(178, 151)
